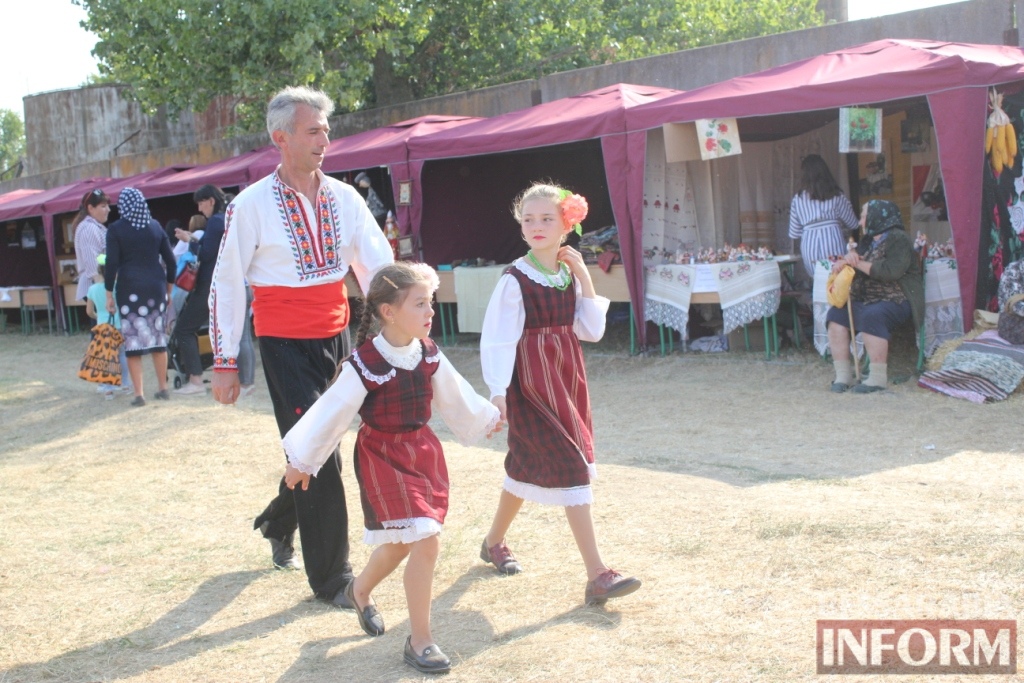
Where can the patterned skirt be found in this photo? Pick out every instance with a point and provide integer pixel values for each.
(550, 437)
(403, 478)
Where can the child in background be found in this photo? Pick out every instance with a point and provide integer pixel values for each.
(96, 308)
(532, 361)
(392, 381)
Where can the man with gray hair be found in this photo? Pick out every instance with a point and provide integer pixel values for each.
(293, 236)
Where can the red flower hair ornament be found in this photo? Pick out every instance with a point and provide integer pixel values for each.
(574, 210)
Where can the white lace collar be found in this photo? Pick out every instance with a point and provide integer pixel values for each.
(404, 357)
(530, 271)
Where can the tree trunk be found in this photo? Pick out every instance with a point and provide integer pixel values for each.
(388, 89)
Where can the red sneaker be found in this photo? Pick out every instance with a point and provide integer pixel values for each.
(609, 584)
(501, 557)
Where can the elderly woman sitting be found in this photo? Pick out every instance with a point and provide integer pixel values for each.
(887, 291)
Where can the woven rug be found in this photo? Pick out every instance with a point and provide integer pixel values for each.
(982, 370)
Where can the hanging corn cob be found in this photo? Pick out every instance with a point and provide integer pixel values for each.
(1000, 137)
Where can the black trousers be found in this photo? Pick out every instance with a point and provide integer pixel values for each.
(298, 371)
(194, 315)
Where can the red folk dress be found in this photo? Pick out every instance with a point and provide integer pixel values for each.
(550, 434)
(399, 462)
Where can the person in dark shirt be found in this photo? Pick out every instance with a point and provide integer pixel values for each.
(196, 312)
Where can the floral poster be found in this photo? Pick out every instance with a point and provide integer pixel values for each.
(718, 138)
(860, 130)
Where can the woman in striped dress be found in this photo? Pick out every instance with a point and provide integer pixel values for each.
(532, 362)
(820, 215)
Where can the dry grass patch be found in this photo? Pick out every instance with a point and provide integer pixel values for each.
(749, 499)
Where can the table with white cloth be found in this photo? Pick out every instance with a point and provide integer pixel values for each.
(473, 289)
(746, 291)
(28, 300)
(943, 317)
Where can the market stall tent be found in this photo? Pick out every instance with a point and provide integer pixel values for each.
(384, 146)
(953, 77)
(232, 172)
(598, 116)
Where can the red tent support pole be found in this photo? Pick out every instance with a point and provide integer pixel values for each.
(57, 296)
(624, 159)
(959, 118)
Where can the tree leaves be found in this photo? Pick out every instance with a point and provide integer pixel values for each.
(376, 52)
(12, 139)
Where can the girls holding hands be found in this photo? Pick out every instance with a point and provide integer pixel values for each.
(392, 381)
(542, 307)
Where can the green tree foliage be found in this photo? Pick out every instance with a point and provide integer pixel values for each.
(12, 139)
(379, 52)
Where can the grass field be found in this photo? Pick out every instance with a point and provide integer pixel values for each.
(749, 499)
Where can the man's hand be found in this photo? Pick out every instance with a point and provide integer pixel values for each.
(225, 387)
(292, 477)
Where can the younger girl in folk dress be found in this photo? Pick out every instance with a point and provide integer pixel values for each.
(393, 381)
(542, 307)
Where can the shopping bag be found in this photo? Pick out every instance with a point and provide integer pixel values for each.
(838, 288)
(101, 363)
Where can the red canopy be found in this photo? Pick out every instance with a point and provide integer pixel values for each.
(378, 147)
(236, 171)
(596, 114)
(953, 76)
(17, 194)
(31, 204)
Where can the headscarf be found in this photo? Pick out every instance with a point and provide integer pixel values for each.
(882, 216)
(133, 208)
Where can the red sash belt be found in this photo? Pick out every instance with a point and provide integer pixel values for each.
(316, 312)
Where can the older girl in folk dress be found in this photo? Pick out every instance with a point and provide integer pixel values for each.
(393, 381)
(532, 361)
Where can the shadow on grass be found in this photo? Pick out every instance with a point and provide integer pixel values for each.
(476, 636)
(165, 641)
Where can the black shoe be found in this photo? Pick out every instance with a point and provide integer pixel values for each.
(839, 387)
(369, 618)
(432, 661)
(138, 402)
(162, 395)
(282, 551)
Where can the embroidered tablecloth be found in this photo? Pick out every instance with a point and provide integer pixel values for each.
(943, 318)
(473, 289)
(747, 291)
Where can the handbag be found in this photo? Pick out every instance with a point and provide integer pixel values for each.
(186, 279)
(101, 363)
(1011, 325)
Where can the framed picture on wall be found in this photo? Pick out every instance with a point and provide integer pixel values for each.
(405, 248)
(404, 192)
(69, 234)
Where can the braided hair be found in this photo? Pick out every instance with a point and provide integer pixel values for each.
(390, 285)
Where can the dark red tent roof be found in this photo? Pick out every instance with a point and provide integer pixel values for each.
(875, 72)
(590, 115)
(378, 147)
(233, 172)
(32, 204)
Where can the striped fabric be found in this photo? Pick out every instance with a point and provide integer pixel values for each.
(819, 226)
(399, 463)
(984, 369)
(90, 242)
(550, 436)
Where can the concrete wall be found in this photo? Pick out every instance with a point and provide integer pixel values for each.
(74, 124)
(69, 128)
